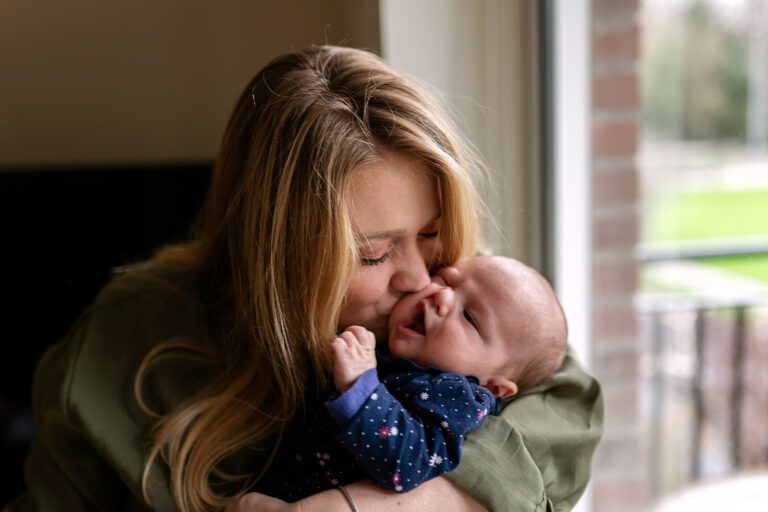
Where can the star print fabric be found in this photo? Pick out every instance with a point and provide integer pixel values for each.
(309, 460)
(410, 427)
(399, 432)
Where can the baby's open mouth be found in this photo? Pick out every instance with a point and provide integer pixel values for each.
(418, 324)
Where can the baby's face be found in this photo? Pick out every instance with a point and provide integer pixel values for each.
(455, 323)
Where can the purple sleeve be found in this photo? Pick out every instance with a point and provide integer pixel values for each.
(343, 408)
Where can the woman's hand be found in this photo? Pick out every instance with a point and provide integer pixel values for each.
(256, 502)
(324, 501)
(435, 495)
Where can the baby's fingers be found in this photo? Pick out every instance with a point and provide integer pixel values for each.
(349, 338)
(340, 348)
(365, 337)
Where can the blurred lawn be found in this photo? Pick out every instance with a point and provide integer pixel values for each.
(749, 266)
(715, 214)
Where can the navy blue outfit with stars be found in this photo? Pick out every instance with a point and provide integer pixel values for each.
(400, 427)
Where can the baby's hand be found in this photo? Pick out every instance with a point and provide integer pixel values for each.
(354, 353)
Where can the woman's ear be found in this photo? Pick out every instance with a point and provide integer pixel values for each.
(501, 387)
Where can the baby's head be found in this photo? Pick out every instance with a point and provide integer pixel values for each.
(491, 317)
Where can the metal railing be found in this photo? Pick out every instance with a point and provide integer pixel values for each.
(705, 369)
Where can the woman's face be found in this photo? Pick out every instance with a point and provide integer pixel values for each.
(396, 217)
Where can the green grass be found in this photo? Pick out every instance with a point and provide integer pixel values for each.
(755, 267)
(711, 215)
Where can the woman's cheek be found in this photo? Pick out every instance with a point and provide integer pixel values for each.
(366, 286)
(362, 298)
(374, 287)
(429, 251)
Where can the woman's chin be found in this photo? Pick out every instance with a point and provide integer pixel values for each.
(381, 334)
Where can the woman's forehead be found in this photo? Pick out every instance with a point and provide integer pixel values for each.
(395, 194)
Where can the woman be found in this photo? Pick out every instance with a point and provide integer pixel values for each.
(338, 188)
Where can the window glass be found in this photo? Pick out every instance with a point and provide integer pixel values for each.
(704, 250)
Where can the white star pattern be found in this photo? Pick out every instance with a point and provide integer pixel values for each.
(415, 452)
(435, 460)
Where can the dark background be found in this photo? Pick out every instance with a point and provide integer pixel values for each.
(62, 231)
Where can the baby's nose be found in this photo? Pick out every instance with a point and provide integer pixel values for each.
(444, 300)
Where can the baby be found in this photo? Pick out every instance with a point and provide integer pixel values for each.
(484, 329)
(481, 331)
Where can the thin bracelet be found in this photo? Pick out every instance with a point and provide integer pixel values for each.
(348, 497)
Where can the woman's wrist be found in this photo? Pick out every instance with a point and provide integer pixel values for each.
(331, 499)
(348, 497)
(436, 495)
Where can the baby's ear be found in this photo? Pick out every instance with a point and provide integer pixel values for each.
(501, 387)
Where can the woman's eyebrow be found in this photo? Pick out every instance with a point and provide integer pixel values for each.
(385, 234)
(392, 233)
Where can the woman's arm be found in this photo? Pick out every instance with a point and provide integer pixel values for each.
(436, 495)
(91, 438)
(537, 455)
(84, 456)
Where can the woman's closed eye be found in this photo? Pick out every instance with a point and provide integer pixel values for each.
(430, 234)
(375, 254)
(368, 262)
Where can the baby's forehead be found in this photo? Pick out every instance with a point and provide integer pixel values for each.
(495, 288)
(493, 272)
(510, 285)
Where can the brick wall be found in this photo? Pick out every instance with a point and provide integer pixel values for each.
(619, 468)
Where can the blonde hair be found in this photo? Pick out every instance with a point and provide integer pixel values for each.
(276, 249)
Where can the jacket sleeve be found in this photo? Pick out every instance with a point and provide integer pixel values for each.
(405, 435)
(91, 438)
(537, 455)
(69, 465)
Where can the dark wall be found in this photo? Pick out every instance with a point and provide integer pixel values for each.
(61, 233)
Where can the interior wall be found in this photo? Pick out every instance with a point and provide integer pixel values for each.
(480, 54)
(143, 81)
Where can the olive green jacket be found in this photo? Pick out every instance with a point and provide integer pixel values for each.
(92, 438)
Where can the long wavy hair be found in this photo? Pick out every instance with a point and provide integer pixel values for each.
(276, 249)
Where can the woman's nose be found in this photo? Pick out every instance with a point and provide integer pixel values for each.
(412, 275)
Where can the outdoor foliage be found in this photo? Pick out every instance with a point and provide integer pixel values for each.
(694, 74)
